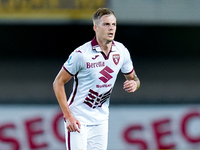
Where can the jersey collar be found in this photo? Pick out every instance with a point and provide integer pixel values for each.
(95, 46)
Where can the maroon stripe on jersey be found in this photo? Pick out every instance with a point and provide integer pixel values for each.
(68, 141)
(95, 45)
(104, 55)
(67, 71)
(75, 89)
(129, 72)
(94, 42)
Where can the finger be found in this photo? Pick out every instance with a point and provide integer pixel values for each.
(127, 83)
(127, 86)
(76, 128)
(69, 128)
(130, 89)
(72, 129)
(79, 124)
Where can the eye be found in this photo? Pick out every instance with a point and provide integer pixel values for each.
(106, 24)
(114, 24)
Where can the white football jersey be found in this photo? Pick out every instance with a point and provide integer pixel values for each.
(94, 77)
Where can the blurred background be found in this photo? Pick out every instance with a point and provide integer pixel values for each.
(36, 37)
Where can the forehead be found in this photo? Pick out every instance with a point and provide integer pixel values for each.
(108, 18)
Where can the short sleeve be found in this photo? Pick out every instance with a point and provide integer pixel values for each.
(74, 63)
(127, 66)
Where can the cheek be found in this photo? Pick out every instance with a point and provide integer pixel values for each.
(101, 32)
(115, 29)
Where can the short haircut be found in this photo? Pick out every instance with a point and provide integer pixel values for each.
(101, 12)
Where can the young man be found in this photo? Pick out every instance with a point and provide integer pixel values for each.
(94, 66)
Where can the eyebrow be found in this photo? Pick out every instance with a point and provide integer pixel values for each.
(109, 23)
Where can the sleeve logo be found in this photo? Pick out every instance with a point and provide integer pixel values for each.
(68, 61)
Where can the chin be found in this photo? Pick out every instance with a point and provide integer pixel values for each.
(110, 39)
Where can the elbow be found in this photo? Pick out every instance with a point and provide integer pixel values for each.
(54, 84)
(57, 83)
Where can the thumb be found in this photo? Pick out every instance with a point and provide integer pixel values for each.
(79, 124)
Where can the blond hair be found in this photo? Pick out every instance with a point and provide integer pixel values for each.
(101, 12)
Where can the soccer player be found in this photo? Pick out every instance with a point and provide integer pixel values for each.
(94, 67)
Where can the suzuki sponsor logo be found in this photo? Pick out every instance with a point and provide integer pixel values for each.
(106, 74)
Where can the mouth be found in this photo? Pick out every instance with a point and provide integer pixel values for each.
(110, 34)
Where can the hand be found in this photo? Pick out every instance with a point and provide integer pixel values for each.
(130, 86)
(73, 124)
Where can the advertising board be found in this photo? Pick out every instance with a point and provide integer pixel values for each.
(130, 127)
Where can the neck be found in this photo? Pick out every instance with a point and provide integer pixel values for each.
(105, 45)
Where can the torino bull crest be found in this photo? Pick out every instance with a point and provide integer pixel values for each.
(116, 58)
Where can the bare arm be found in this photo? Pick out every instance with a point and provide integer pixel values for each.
(132, 82)
(59, 89)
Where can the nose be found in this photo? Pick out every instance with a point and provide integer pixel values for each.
(111, 27)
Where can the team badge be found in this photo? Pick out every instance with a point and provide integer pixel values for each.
(116, 58)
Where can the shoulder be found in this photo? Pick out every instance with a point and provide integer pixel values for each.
(84, 48)
(81, 51)
(120, 47)
(119, 44)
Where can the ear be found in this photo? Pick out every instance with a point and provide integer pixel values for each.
(95, 27)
